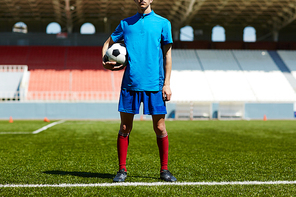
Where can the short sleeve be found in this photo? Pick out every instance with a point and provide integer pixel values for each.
(166, 34)
(117, 35)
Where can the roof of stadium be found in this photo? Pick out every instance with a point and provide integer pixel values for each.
(269, 14)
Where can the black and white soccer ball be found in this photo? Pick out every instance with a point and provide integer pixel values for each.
(117, 52)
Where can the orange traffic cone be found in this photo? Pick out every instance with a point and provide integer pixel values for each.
(143, 117)
(264, 118)
(46, 120)
(10, 120)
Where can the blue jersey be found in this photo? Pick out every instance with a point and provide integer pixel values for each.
(144, 35)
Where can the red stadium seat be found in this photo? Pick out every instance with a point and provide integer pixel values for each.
(49, 84)
(13, 55)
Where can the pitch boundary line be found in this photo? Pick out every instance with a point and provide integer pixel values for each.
(37, 131)
(153, 184)
(48, 126)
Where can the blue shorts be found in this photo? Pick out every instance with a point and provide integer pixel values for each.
(130, 101)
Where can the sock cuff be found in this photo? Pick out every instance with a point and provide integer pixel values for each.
(123, 134)
(162, 136)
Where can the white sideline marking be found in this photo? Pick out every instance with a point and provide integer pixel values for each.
(47, 126)
(37, 131)
(155, 184)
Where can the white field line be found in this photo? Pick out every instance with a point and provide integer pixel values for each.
(154, 184)
(34, 132)
(47, 126)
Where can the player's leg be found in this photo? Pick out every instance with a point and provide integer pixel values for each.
(162, 139)
(123, 137)
(163, 146)
(122, 144)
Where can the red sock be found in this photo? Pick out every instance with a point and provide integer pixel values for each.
(163, 146)
(122, 145)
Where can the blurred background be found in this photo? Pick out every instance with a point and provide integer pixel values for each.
(231, 59)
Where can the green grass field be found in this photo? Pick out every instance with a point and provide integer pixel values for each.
(84, 152)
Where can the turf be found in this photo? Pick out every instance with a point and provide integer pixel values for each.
(200, 151)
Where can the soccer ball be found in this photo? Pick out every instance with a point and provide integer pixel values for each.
(117, 52)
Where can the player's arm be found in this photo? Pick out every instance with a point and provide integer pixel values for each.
(166, 90)
(107, 64)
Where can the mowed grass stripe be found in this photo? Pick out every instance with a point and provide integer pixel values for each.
(13, 133)
(157, 184)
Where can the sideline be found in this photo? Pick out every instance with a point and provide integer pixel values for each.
(35, 132)
(153, 184)
(47, 126)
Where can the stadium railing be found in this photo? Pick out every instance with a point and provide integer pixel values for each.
(21, 90)
(72, 96)
(13, 68)
(12, 96)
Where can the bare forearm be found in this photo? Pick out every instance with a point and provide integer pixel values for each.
(106, 46)
(166, 90)
(168, 70)
(168, 64)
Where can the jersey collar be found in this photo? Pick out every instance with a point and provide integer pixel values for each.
(144, 15)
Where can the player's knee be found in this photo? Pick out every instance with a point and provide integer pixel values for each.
(124, 128)
(160, 129)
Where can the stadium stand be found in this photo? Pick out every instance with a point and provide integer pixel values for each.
(13, 82)
(283, 68)
(49, 80)
(188, 81)
(190, 86)
(48, 84)
(75, 73)
(226, 79)
(289, 57)
(116, 78)
(72, 85)
(13, 55)
(91, 82)
(185, 60)
(46, 57)
(267, 81)
(228, 76)
(52, 57)
(83, 58)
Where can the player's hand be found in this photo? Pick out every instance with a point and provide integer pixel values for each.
(166, 93)
(112, 66)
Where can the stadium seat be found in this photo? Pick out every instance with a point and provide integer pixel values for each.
(190, 86)
(224, 76)
(185, 60)
(197, 75)
(49, 80)
(266, 80)
(289, 57)
(13, 55)
(117, 79)
(91, 80)
(75, 84)
(46, 57)
(52, 57)
(84, 58)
